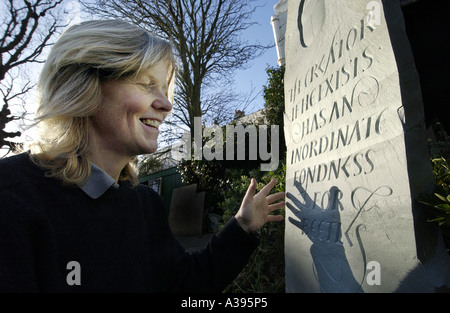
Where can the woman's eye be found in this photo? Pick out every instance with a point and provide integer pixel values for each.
(148, 86)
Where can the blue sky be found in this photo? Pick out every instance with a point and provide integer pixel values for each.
(255, 75)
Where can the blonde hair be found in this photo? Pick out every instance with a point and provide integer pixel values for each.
(83, 57)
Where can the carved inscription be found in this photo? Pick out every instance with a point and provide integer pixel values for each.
(336, 114)
(356, 151)
(333, 105)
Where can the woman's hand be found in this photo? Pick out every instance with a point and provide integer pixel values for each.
(255, 209)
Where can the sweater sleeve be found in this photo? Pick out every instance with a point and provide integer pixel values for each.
(210, 269)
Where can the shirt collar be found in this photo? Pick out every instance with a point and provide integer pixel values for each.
(98, 182)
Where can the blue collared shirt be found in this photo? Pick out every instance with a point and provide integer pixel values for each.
(98, 182)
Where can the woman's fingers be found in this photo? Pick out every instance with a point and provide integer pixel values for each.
(267, 188)
(251, 189)
(275, 197)
(276, 206)
(274, 218)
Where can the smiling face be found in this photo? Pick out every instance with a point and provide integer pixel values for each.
(130, 113)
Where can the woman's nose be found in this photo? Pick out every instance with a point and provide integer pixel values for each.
(162, 103)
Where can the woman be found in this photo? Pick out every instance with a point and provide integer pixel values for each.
(72, 216)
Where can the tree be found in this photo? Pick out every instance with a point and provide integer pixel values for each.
(206, 37)
(265, 270)
(27, 29)
(274, 102)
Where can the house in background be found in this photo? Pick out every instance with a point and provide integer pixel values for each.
(167, 176)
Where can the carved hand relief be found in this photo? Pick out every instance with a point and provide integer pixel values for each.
(348, 179)
(318, 216)
(311, 16)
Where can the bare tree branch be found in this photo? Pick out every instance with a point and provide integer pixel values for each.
(26, 31)
(208, 43)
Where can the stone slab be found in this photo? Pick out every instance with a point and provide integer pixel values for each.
(356, 153)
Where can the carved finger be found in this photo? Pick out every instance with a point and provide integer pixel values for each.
(296, 202)
(294, 210)
(295, 222)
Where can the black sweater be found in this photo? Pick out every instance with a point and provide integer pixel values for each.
(121, 241)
